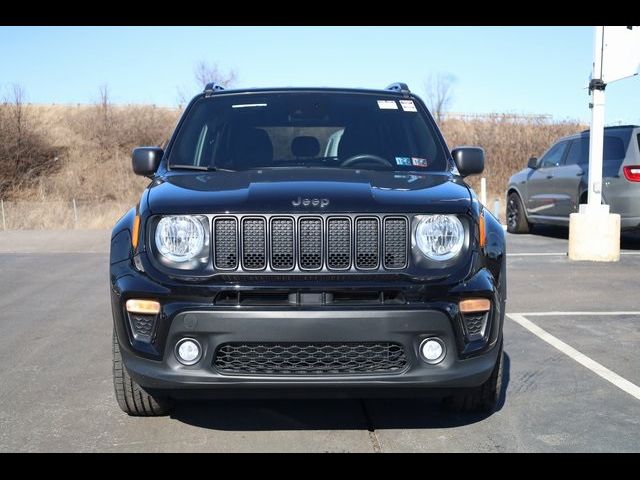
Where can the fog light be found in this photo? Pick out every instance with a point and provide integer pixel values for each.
(188, 351)
(432, 350)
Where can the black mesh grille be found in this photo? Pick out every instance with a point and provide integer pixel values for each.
(226, 243)
(142, 326)
(282, 243)
(310, 243)
(395, 242)
(351, 358)
(339, 243)
(253, 244)
(475, 325)
(367, 243)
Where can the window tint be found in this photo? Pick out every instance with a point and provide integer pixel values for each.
(554, 156)
(613, 148)
(578, 152)
(614, 151)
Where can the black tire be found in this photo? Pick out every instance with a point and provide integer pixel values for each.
(516, 218)
(482, 399)
(131, 397)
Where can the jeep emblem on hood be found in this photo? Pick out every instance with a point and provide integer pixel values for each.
(310, 202)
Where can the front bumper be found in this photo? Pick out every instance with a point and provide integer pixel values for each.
(190, 311)
(406, 327)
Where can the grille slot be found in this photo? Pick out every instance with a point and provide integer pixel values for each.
(395, 242)
(367, 243)
(225, 231)
(338, 243)
(282, 244)
(310, 244)
(254, 239)
(337, 358)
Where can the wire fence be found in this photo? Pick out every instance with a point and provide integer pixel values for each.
(55, 215)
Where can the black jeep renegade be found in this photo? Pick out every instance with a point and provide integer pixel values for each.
(310, 241)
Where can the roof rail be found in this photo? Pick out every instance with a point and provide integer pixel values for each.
(399, 87)
(613, 126)
(211, 88)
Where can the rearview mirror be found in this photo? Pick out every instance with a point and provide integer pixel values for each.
(532, 163)
(145, 160)
(469, 160)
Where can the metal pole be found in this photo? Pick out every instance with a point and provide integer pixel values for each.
(75, 214)
(4, 222)
(496, 208)
(483, 191)
(596, 134)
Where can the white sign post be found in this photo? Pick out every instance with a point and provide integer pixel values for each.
(594, 233)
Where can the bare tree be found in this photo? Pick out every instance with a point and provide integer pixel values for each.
(104, 121)
(439, 94)
(206, 72)
(24, 153)
(17, 116)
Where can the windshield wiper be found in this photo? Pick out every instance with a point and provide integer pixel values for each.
(201, 168)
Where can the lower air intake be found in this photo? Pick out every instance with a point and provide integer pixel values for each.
(340, 358)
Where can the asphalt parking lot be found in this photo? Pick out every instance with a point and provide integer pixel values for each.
(572, 367)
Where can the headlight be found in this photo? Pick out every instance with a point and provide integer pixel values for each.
(181, 238)
(439, 237)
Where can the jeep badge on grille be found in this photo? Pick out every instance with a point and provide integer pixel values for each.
(310, 202)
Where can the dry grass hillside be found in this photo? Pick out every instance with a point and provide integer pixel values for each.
(53, 154)
(508, 141)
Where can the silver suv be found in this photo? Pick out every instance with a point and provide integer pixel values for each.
(552, 187)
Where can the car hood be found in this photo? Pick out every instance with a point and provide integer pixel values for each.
(327, 191)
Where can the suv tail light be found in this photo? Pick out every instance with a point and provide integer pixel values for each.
(632, 173)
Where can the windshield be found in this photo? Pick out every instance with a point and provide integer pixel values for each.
(318, 129)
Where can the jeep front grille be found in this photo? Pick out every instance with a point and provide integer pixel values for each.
(310, 239)
(338, 243)
(395, 242)
(301, 358)
(225, 232)
(254, 243)
(282, 244)
(367, 243)
(307, 243)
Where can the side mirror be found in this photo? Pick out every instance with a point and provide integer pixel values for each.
(469, 160)
(532, 163)
(145, 160)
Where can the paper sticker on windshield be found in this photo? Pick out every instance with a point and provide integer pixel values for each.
(403, 161)
(387, 105)
(408, 106)
(419, 162)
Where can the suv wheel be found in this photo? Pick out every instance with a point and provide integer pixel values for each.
(516, 219)
(131, 397)
(484, 398)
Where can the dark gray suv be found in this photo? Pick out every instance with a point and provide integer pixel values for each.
(552, 187)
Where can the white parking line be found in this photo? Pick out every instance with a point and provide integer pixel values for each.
(555, 314)
(555, 254)
(610, 376)
(537, 254)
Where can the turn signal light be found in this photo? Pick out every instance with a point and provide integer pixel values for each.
(148, 307)
(483, 233)
(135, 233)
(632, 173)
(474, 305)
